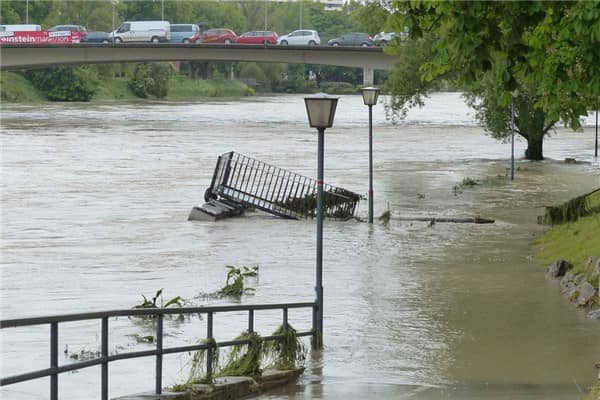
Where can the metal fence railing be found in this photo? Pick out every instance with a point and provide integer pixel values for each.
(105, 358)
(275, 190)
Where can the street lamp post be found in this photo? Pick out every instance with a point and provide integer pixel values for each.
(370, 95)
(512, 135)
(596, 146)
(321, 111)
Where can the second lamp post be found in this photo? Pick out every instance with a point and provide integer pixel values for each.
(321, 111)
(370, 95)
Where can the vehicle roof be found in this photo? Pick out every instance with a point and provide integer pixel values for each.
(73, 25)
(261, 32)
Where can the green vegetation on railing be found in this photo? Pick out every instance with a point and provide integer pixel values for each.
(573, 209)
(288, 353)
(244, 359)
(247, 359)
(197, 374)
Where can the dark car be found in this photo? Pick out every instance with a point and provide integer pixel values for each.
(258, 37)
(352, 39)
(220, 35)
(71, 28)
(98, 37)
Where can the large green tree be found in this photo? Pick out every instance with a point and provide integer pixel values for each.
(501, 49)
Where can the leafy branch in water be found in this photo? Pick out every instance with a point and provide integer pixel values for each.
(234, 284)
(470, 183)
(176, 301)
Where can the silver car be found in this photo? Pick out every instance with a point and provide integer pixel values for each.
(300, 37)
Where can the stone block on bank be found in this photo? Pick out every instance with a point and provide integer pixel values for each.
(594, 315)
(227, 387)
(558, 268)
(567, 283)
(587, 293)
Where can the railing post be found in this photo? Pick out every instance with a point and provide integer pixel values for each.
(209, 351)
(250, 321)
(285, 329)
(159, 355)
(315, 329)
(54, 360)
(104, 354)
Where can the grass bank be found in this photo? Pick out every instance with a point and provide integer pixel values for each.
(572, 241)
(183, 88)
(576, 239)
(594, 392)
(14, 88)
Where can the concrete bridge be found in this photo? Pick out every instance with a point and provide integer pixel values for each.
(23, 56)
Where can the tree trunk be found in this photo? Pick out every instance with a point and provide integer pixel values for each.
(534, 147)
(531, 125)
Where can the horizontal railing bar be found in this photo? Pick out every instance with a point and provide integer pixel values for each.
(14, 323)
(133, 354)
(183, 349)
(43, 373)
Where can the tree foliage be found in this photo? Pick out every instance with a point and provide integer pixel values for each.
(150, 80)
(65, 83)
(540, 55)
(547, 45)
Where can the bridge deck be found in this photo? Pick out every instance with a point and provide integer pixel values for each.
(28, 56)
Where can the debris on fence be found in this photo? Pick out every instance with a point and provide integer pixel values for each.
(241, 182)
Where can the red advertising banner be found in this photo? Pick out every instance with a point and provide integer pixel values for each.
(58, 37)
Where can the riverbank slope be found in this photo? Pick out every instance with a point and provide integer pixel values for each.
(576, 240)
(15, 88)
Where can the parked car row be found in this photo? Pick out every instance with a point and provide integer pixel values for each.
(165, 32)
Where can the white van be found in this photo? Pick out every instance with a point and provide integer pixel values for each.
(20, 28)
(142, 31)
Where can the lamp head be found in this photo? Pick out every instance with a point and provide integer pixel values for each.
(321, 110)
(370, 95)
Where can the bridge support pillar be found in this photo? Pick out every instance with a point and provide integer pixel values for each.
(368, 76)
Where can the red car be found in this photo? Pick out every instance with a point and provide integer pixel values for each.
(220, 35)
(258, 37)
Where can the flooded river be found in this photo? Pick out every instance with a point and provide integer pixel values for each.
(95, 200)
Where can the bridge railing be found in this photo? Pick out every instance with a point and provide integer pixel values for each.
(159, 313)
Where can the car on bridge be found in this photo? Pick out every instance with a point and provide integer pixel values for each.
(185, 33)
(258, 37)
(301, 37)
(219, 35)
(98, 37)
(142, 31)
(71, 28)
(352, 39)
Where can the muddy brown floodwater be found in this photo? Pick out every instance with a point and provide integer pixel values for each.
(95, 199)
